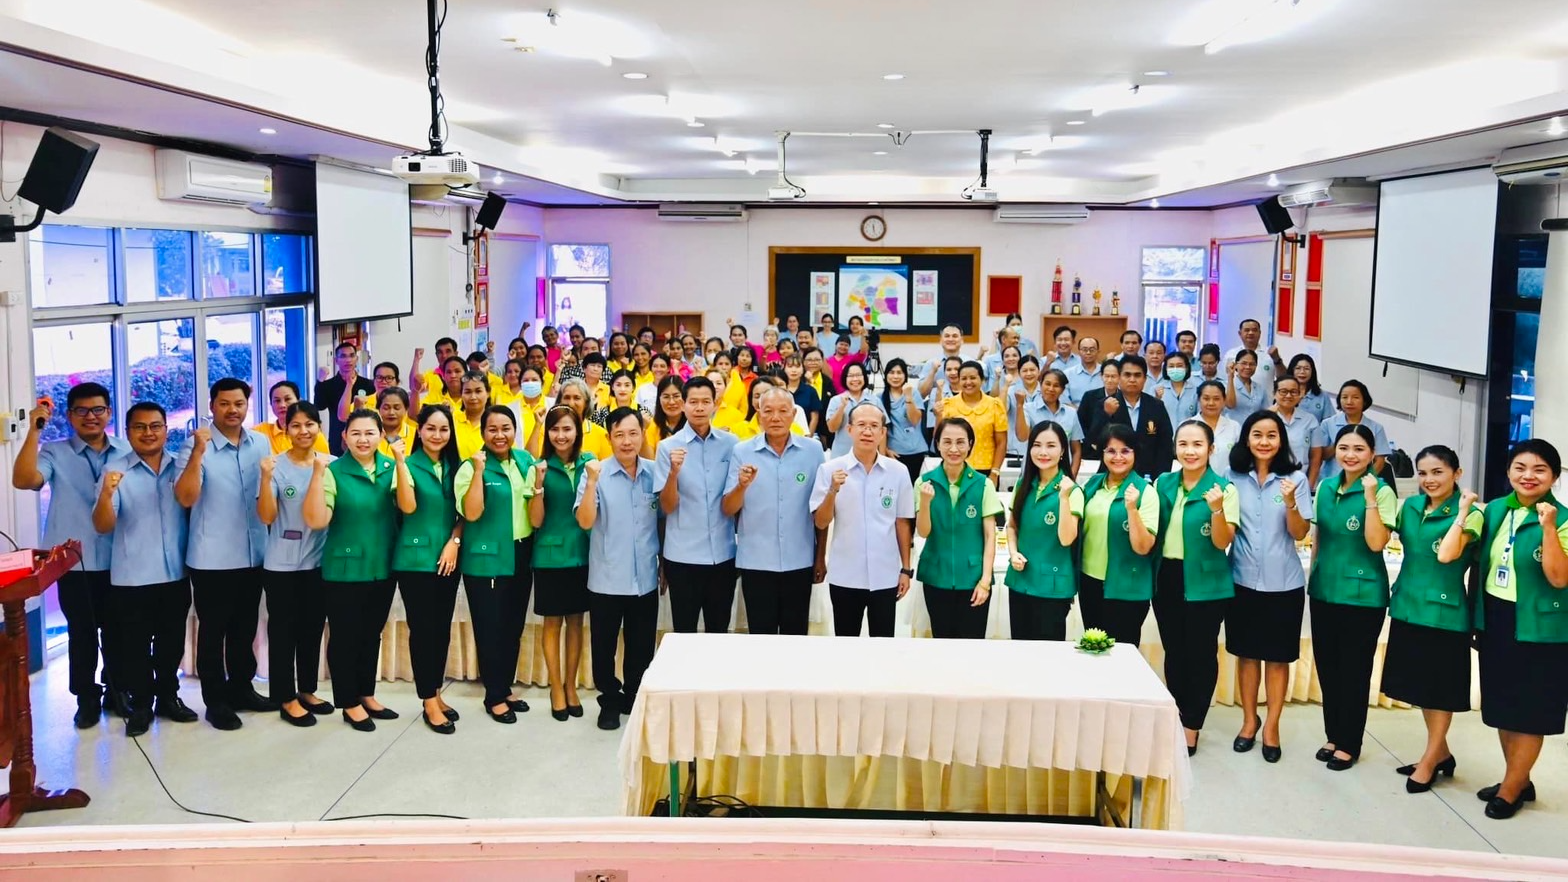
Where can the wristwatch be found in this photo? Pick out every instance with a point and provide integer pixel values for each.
(456, 540)
(907, 572)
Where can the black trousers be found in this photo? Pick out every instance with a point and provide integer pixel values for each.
(776, 603)
(498, 609)
(610, 617)
(228, 607)
(1037, 618)
(952, 616)
(1121, 619)
(1190, 633)
(1344, 643)
(149, 639)
(852, 605)
(701, 589)
(84, 602)
(357, 612)
(296, 615)
(913, 462)
(429, 599)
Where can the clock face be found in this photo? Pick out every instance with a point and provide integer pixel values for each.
(873, 228)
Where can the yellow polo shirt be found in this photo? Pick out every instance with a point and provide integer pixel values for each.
(406, 432)
(279, 438)
(987, 417)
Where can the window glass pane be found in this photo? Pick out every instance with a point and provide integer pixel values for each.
(1169, 310)
(163, 370)
(580, 260)
(580, 303)
(1521, 395)
(65, 355)
(70, 266)
(225, 267)
(231, 352)
(1182, 263)
(288, 337)
(285, 262)
(157, 265)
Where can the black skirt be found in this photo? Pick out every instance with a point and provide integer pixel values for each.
(561, 592)
(1523, 687)
(1265, 625)
(1427, 667)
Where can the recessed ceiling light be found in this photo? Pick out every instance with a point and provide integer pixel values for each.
(695, 124)
(1556, 128)
(268, 131)
(1154, 203)
(1075, 122)
(884, 125)
(879, 153)
(1156, 73)
(498, 179)
(872, 203)
(634, 75)
(893, 76)
(1273, 180)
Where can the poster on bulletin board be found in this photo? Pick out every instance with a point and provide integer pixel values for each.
(908, 294)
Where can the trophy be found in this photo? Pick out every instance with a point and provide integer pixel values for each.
(1077, 295)
(1097, 296)
(1116, 302)
(1056, 290)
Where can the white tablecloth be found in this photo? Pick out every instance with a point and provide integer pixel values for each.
(973, 703)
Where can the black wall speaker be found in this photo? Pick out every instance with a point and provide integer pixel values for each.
(59, 167)
(1276, 219)
(490, 212)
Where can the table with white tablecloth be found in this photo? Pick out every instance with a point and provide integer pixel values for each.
(987, 726)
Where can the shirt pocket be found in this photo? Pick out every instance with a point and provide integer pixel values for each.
(1552, 603)
(411, 539)
(1363, 588)
(1451, 597)
(483, 549)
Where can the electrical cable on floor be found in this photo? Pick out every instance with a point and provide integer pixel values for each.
(138, 742)
(400, 815)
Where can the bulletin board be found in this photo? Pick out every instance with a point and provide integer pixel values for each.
(913, 292)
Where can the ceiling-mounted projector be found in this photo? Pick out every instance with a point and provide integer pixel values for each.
(450, 169)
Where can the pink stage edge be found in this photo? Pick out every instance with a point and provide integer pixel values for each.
(717, 850)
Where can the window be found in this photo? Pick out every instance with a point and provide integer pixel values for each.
(157, 265)
(580, 261)
(65, 355)
(71, 266)
(580, 287)
(226, 267)
(285, 263)
(1172, 292)
(287, 334)
(162, 368)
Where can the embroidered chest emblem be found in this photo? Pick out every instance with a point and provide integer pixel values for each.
(1435, 544)
(1353, 523)
(1279, 499)
(1205, 530)
(1126, 527)
(1537, 555)
(887, 502)
(970, 512)
(289, 491)
(800, 477)
(1050, 518)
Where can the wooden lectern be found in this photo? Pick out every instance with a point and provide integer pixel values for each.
(16, 706)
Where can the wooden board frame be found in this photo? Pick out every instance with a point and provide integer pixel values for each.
(974, 306)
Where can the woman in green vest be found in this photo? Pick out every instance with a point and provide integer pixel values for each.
(355, 503)
(957, 518)
(493, 489)
(1348, 590)
(1117, 579)
(1047, 507)
(1199, 511)
(1427, 662)
(560, 555)
(1522, 615)
(425, 560)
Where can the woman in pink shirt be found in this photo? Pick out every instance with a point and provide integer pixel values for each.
(842, 357)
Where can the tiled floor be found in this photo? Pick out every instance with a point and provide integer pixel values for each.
(542, 768)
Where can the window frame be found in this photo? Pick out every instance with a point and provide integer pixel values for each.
(560, 278)
(1145, 283)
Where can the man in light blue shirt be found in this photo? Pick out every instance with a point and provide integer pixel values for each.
(71, 469)
(769, 488)
(699, 538)
(220, 477)
(1063, 357)
(138, 508)
(1086, 374)
(617, 504)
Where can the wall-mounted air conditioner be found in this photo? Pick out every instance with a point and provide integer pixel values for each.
(191, 177)
(1040, 214)
(702, 213)
(1340, 192)
(1536, 164)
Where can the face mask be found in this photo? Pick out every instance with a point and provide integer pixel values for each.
(1177, 374)
(532, 388)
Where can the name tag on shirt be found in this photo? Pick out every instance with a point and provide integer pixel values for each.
(293, 534)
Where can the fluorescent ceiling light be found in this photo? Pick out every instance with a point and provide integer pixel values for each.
(884, 125)
(268, 131)
(1075, 122)
(634, 75)
(1273, 181)
(879, 153)
(893, 76)
(1556, 128)
(1156, 73)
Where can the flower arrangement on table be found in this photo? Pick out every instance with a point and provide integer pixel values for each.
(1095, 642)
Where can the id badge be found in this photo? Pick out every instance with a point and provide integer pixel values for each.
(1500, 577)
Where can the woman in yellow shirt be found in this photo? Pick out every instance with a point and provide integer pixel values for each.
(392, 405)
(669, 414)
(574, 394)
(985, 414)
(724, 417)
(282, 395)
(468, 416)
(450, 392)
(641, 372)
(594, 386)
(739, 389)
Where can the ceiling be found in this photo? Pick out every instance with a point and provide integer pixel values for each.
(1346, 78)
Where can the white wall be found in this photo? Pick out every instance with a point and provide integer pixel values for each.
(719, 268)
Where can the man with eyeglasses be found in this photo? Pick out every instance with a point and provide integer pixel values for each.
(1084, 375)
(137, 507)
(71, 468)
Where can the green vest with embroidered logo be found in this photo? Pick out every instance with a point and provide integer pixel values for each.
(1128, 574)
(953, 557)
(1205, 569)
(1428, 592)
(425, 532)
(1344, 569)
(1541, 611)
(364, 522)
(559, 543)
(1052, 571)
(487, 543)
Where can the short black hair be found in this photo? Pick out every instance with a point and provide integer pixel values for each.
(698, 383)
(949, 422)
(142, 407)
(542, 350)
(84, 391)
(1210, 349)
(1136, 361)
(1068, 328)
(1252, 320)
(344, 345)
(477, 356)
(229, 384)
(645, 329)
(617, 415)
(397, 392)
(497, 410)
(1181, 334)
(1366, 394)
(284, 384)
(446, 341)
(594, 358)
(1538, 447)
(452, 358)
(396, 374)
(1133, 332)
(302, 407)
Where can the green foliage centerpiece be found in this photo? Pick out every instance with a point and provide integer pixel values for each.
(1095, 642)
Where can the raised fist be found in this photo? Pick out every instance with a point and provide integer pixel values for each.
(479, 458)
(1287, 488)
(203, 436)
(1369, 483)
(1274, 352)
(1547, 512)
(1067, 485)
(591, 469)
(527, 325)
(320, 463)
(677, 459)
(1159, 392)
(397, 445)
(748, 473)
(111, 480)
(1131, 496)
(839, 477)
(1019, 561)
(1467, 501)
(419, 353)
(268, 463)
(490, 347)
(539, 471)
(1215, 497)
(1112, 405)
(927, 491)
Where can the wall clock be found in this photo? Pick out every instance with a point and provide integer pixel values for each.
(873, 228)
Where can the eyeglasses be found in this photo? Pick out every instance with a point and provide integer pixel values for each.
(85, 412)
(147, 427)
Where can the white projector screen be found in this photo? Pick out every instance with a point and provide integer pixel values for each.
(1432, 274)
(364, 246)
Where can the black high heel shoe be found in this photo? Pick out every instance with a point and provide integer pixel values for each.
(365, 725)
(575, 710)
(1272, 753)
(1242, 745)
(561, 714)
(446, 728)
(1446, 767)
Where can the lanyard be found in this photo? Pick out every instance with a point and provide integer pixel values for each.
(1508, 549)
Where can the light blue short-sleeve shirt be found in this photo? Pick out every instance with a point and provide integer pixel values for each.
(1180, 406)
(623, 546)
(1263, 556)
(775, 532)
(697, 531)
(903, 435)
(1319, 404)
(1249, 401)
(1329, 430)
(1037, 411)
(1080, 380)
(71, 470)
(842, 442)
(148, 542)
(291, 546)
(1299, 429)
(863, 551)
(226, 532)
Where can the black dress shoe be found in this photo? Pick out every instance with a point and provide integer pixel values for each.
(320, 708)
(88, 714)
(223, 717)
(175, 710)
(1324, 754)
(575, 710)
(518, 705)
(303, 721)
(1487, 794)
(561, 714)
(1335, 764)
(1500, 809)
(140, 721)
(365, 725)
(118, 701)
(446, 728)
(383, 713)
(507, 716)
(250, 700)
(1242, 745)
(451, 714)
(1272, 753)
(609, 718)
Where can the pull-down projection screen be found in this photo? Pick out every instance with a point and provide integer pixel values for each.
(1432, 273)
(364, 246)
